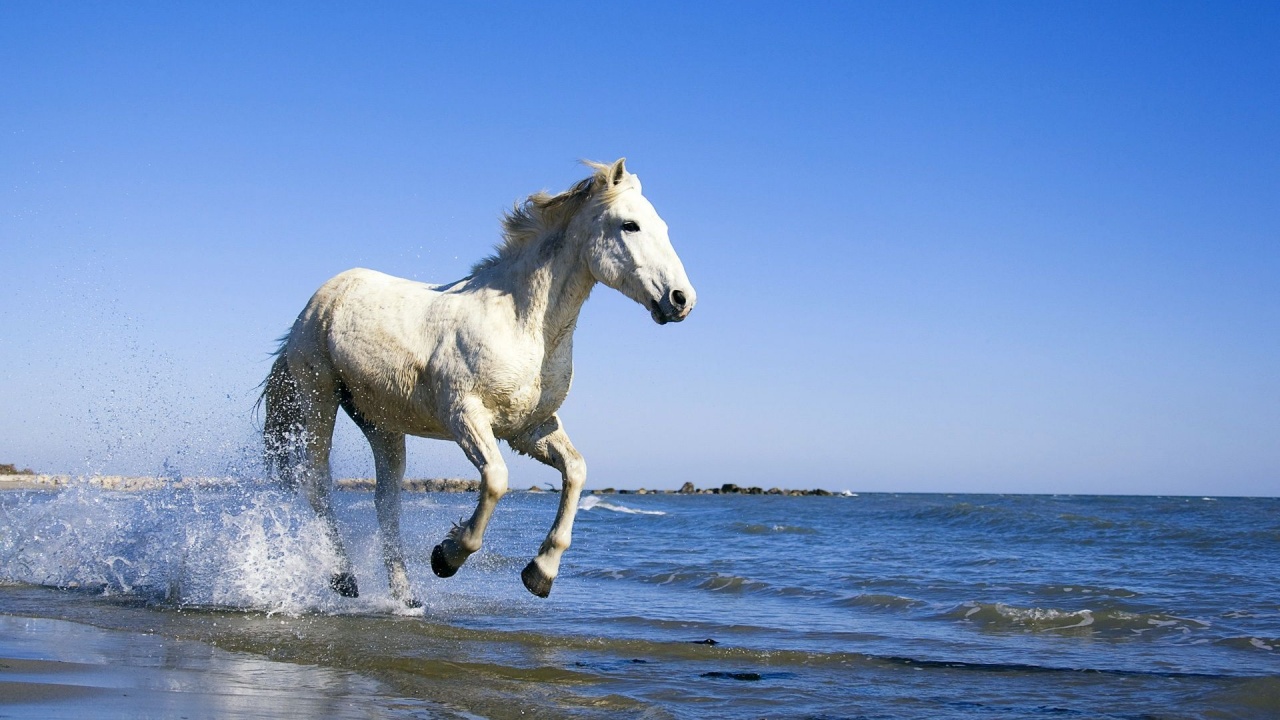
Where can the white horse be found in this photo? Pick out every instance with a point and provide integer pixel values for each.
(486, 358)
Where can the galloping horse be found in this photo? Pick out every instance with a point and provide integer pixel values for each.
(486, 358)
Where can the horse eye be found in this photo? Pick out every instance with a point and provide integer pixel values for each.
(631, 226)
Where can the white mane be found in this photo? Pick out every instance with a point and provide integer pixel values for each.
(543, 215)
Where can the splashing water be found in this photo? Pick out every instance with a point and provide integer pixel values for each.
(244, 547)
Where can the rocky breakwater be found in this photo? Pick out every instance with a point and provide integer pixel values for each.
(454, 485)
(725, 489)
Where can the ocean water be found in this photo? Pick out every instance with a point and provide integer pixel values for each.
(873, 606)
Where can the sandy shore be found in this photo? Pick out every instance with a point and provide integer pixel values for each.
(59, 669)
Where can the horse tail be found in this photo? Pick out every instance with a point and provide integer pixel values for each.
(282, 429)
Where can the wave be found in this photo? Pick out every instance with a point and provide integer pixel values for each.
(1087, 592)
(999, 617)
(880, 601)
(593, 501)
(711, 581)
(684, 578)
(1249, 642)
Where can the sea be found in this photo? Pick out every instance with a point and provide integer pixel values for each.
(683, 606)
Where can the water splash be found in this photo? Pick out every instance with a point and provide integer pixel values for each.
(243, 548)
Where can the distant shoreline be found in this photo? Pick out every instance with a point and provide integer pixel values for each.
(125, 483)
(725, 489)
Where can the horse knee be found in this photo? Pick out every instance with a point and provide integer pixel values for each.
(493, 482)
(575, 472)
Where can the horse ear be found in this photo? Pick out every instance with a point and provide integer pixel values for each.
(618, 172)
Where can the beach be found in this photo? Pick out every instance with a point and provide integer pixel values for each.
(194, 598)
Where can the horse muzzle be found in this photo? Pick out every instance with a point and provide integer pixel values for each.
(674, 307)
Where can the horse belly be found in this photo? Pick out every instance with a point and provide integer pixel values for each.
(395, 407)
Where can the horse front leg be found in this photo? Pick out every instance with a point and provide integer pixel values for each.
(549, 444)
(474, 434)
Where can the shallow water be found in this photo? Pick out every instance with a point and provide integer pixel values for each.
(822, 607)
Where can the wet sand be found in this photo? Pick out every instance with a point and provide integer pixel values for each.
(60, 669)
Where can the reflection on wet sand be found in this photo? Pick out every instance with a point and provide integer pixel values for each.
(54, 668)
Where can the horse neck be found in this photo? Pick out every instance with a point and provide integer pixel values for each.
(549, 281)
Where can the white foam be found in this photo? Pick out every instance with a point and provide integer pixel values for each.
(1085, 621)
(593, 501)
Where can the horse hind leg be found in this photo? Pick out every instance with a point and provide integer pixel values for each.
(389, 461)
(298, 434)
(549, 444)
(317, 486)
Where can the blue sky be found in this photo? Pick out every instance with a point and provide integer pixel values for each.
(1004, 247)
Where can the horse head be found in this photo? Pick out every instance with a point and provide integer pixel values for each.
(628, 248)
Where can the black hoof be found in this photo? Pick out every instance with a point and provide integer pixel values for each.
(439, 565)
(535, 581)
(413, 603)
(344, 584)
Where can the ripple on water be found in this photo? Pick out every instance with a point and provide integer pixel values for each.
(771, 529)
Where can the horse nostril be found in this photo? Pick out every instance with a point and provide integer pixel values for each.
(678, 299)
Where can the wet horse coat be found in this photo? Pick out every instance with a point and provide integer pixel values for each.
(486, 358)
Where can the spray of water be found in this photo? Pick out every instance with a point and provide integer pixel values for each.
(228, 547)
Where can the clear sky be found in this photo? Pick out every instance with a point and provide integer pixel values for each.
(1004, 247)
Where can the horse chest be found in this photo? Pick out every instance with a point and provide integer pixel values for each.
(531, 395)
